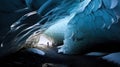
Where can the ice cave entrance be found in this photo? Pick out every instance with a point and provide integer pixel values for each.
(45, 41)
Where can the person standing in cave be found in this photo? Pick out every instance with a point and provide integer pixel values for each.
(48, 44)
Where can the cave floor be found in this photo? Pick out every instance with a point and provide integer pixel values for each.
(53, 59)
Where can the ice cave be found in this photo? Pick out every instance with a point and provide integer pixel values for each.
(60, 33)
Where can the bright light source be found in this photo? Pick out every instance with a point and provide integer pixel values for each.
(45, 41)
